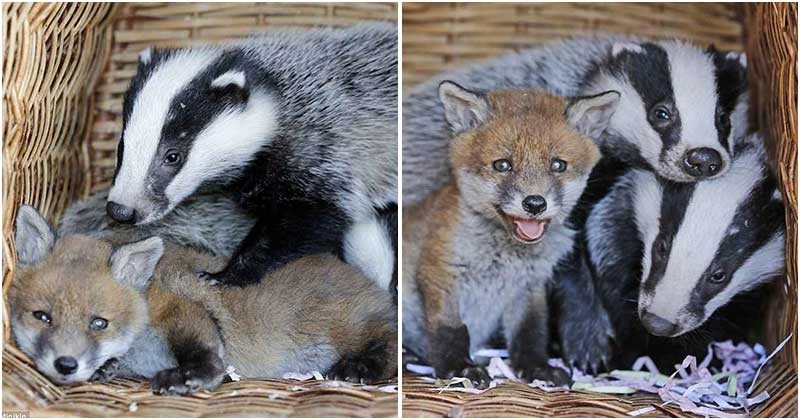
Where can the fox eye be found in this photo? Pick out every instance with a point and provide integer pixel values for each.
(718, 277)
(172, 157)
(558, 165)
(43, 316)
(502, 165)
(98, 324)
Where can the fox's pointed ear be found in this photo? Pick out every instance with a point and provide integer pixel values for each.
(34, 238)
(134, 264)
(591, 115)
(463, 109)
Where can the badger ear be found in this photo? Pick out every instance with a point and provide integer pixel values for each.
(146, 55)
(737, 56)
(34, 238)
(232, 78)
(232, 83)
(463, 109)
(777, 195)
(591, 115)
(134, 264)
(620, 47)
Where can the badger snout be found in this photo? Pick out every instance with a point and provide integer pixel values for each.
(121, 213)
(66, 365)
(658, 325)
(534, 204)
(703, 162)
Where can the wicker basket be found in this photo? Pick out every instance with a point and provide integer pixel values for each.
(442, 35)
(65, 70)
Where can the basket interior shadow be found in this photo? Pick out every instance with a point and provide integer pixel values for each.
(66, 68)
(440, 36)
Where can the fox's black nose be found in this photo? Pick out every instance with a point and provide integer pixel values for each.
(534, 204)
(66, 365)
(702, 163)
(120, 213)
(657, 325)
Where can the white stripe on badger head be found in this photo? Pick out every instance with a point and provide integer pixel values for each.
(705, 224)
(225, 146)
(148, 116)
(647, 210)
(630, 119)
(695, 91)
(368, 247)
(767, 262)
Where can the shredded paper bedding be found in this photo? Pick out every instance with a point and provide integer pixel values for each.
(694, 386)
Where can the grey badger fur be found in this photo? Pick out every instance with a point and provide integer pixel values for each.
(703, 92)
(666, 267)
(210, 223)
(301, 127)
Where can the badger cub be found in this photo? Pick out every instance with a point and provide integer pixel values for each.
(480, 251)
(84, 309)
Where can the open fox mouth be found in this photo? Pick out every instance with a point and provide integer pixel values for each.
(528, 230)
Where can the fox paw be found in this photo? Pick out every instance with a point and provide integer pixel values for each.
(106, 372)
(184, 381)
(364, 367)
(554, 375)
(478, 375)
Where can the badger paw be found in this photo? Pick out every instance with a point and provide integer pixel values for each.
(185, 380)
(556, 376)
(226, 278)
(365, 367)
(106, 372)
(208, 278)
(586, 343)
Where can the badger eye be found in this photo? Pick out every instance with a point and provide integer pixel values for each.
(558, 165)
(718, 277)
(662, 113)
(502, 165)
(172, 157)
(98, 324)
(661, 248)
(43, 316)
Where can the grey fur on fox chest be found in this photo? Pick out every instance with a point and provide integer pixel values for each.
(496, 278)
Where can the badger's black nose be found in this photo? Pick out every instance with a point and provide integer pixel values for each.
(120, 213)
(657, 325)
(66, 365)
(702, 162)
(534, 204)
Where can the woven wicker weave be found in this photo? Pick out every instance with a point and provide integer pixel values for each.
(65, 71)
(443, 35)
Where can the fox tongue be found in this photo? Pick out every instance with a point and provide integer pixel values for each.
(529, 229)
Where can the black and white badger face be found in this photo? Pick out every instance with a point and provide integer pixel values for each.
(190, 116)
(705, 242)
(676, 106)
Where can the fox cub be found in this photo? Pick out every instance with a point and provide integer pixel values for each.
(87, 309)
(478, 253)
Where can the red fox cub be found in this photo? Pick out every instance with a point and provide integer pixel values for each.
(86, 309)
(478, 254)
